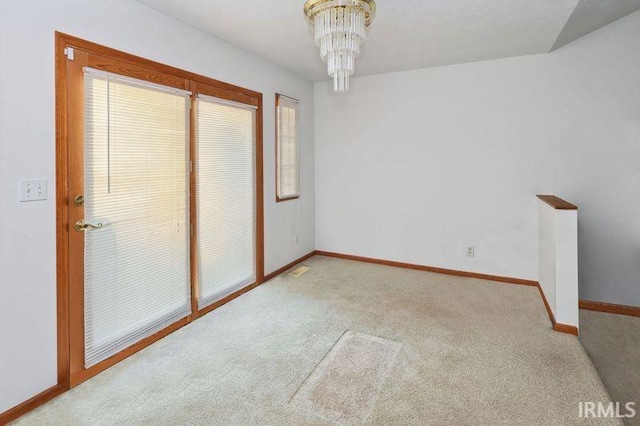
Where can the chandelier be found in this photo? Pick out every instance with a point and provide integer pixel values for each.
(340, 29)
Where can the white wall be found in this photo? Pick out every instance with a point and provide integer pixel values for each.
(567, 293)
(547, 253)
(558, 261)
(27, 143)
(416, 166)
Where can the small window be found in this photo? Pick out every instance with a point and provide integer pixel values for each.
(287, 153)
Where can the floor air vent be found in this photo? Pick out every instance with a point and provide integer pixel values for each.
(299, 271)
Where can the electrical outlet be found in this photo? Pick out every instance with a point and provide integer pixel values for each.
(471, 251)
(32, 190)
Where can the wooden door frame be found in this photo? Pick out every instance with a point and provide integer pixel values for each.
(133, 66)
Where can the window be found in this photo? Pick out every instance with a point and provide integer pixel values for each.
(287, 152)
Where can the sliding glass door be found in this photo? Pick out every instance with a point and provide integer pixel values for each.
(160, 211)
(225, 197)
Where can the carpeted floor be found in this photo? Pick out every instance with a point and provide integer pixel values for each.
(613, 343)
(468, 352)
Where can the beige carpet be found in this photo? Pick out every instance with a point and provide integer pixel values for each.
(472, 352)
(613, 343)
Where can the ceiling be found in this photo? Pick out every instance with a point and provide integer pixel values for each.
(407, 34)
(590, 15)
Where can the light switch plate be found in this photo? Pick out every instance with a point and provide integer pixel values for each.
(32, 190)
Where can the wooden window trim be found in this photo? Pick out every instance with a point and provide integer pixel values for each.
(278, 198)
(112, 60)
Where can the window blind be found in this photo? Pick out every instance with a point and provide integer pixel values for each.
(287, 167)
(136, 185)
(226, 197)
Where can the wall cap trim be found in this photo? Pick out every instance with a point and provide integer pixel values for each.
(557, 203)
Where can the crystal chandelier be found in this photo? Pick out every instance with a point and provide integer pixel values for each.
(340, 29)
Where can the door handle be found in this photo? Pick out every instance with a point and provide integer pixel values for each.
(81, 225)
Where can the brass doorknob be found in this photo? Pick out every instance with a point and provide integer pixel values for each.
(81, 226)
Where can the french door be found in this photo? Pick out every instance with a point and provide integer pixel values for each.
(164, 211)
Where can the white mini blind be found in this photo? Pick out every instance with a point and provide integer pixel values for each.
(226, 197)
(287, 158)
(136, 185)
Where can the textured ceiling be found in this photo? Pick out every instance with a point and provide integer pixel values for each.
(407, 34)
